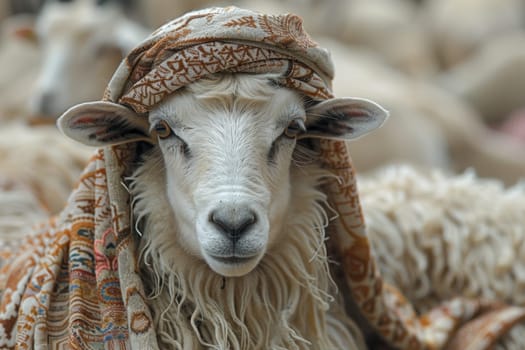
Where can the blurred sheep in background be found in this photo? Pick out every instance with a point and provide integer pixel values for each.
(38, 169)
(62, 56)
(492, 79)
(82, 43)
(459, 28)
(429, 126)
(20, 62)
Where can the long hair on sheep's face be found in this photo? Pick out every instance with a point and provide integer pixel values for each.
(226, 154)
(227, 144)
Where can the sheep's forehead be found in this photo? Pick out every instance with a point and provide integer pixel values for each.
(256, 100)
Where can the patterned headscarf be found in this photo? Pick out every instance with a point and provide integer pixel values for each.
(75, 281)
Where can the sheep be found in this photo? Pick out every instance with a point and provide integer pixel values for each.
(20, 209)
(458, 28)
(38, 170)
(414, 216)
(39, 160)
(362, 73)
(253, 207)
(202, 219)
(205, 141)
(82, 44)
(436, 236)
(47, 57)
(435, 128)
(18, 52)
(492, 79)
(393, 29)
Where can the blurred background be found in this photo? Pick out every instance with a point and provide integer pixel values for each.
(451, 73)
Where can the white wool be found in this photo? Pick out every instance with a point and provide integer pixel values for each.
(43, 161)
(281, 304)
(38, 169)
(513, 340)
(19, 209)
(437, 236)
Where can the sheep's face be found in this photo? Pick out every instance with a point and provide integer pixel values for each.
(227, 148)
(81, 46)
(227, 145)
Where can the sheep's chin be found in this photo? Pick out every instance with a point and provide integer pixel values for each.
(234, 268)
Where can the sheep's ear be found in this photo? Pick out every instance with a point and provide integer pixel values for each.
(103, 124)
(344, 118)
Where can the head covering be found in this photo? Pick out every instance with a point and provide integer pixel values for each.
(221, 40)
(75, 281)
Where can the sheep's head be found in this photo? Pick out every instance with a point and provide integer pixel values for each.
(227, 145)
(81, 45)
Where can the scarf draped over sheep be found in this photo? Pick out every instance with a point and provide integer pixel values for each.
(75, 282)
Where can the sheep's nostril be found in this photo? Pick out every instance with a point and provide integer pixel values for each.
(233, 222)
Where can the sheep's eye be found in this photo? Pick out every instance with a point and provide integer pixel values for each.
(163, 130)
(295, 128)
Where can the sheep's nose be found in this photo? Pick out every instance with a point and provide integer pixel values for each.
(233, 222)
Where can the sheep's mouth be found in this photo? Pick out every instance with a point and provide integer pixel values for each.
(233, 259)
(233, 265)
